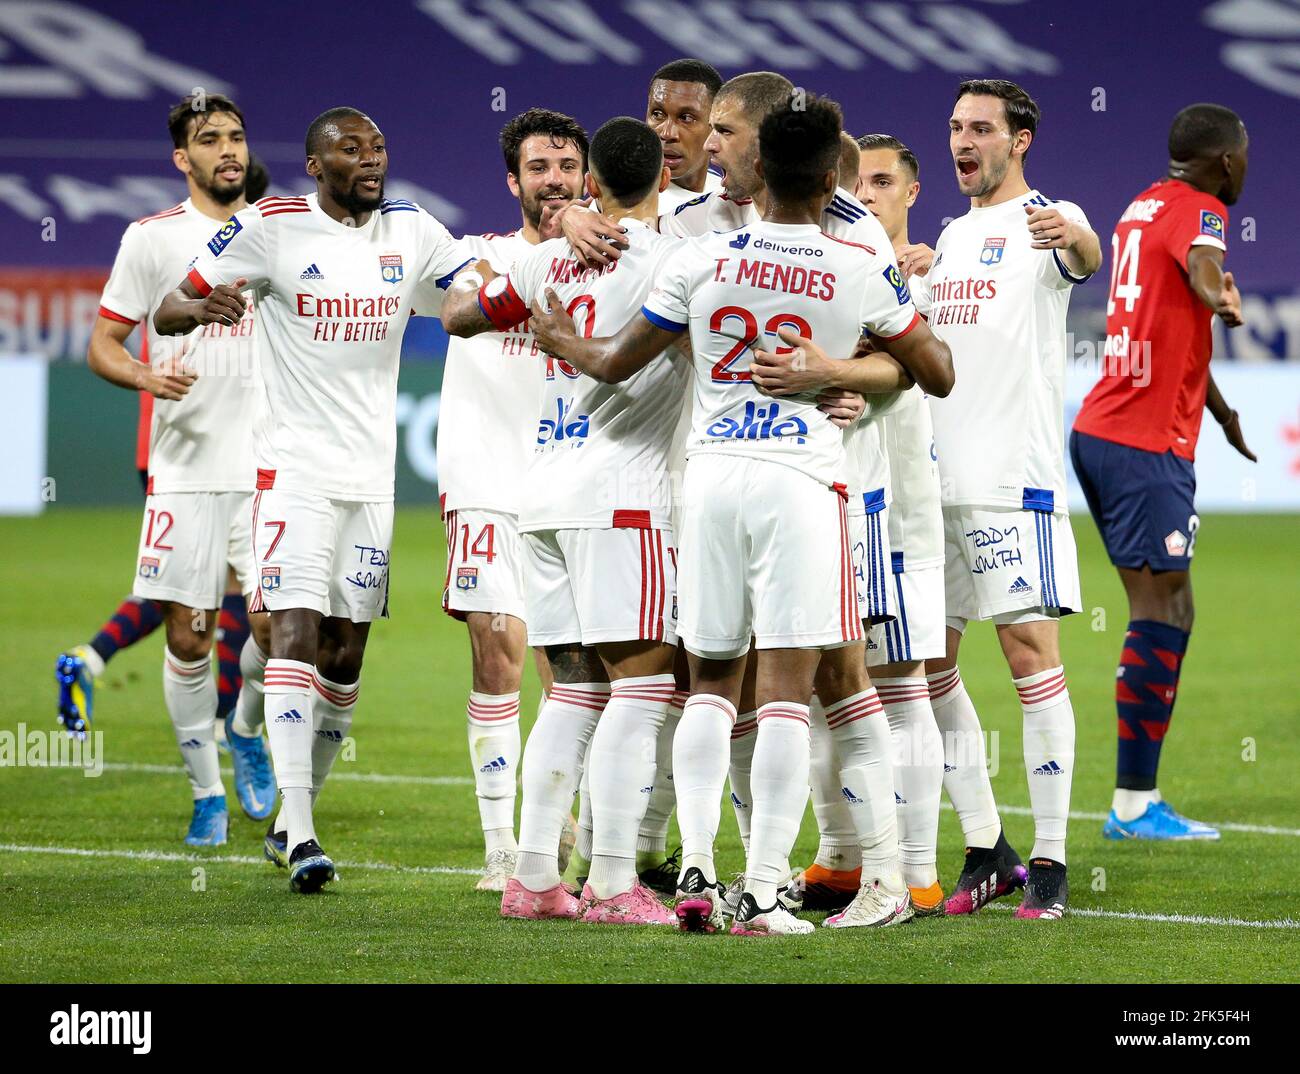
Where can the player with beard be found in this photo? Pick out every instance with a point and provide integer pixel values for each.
(200, 478)
(490, 396)
(336, 275)
(1000, 286)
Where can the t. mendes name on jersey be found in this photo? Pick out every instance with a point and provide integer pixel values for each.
(349, 318)
(958, 301)
(773, 276)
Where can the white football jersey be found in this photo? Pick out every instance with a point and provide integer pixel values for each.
(673, 195)
(488, 411)
(915, 517)
(333, 305)
(600, 457)
(203, 442)
(845, 218)
(1001, 305)
(734, 291)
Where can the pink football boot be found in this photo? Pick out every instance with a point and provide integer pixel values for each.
(640, 906)
(556, 902)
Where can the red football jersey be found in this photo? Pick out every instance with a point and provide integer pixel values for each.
(1157, 361)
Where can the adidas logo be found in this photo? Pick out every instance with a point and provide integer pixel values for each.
(311, 272)
(899, 799)
(1049, 769)
(849, 796)
(648, 790)
(737, 802)
(1020, 586)
(292, 716)
(499, 765)
(191, 744)
(949, 767)
(330, 735)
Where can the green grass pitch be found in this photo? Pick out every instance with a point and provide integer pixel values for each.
(405, 909)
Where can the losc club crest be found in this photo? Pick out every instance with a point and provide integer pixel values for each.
(148, 568)
(466, 578)
(992, 252)
(270, 579)
(390, 267)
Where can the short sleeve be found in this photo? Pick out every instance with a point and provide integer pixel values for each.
(1053, 271)
(238, 249)
(444, 255)
(920, 288)
(129, 293)
(887, 310)
(1201, 220)
(668, 304)
(689, 218)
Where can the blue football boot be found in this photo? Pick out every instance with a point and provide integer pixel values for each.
(254, 777)
(76, 692)
(209, 823)
(310, 868)
(275, 847)
(1159, 822)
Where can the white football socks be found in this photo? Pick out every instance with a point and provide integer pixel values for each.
(918, 775)
(552, 759)
(582, 842)
(652, 840)
(331, 715)
(288, 687)
(779, 783)
(250, 705)
(494, 749)
(837, 838)
(190, 693)
(1129, 805)
(862, 744)
(1049, 757)
(965, 764)
(743, 737)
(701, 751)
(622, 777)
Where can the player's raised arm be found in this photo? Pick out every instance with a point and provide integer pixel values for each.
(465, 313)
(1214, 287)
(611, 359)
(1053, 230)
(108, 358)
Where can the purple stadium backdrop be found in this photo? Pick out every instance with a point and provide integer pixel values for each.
(86, 89)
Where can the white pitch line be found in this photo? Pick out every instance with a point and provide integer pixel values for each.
(239, 859)
(465, 781)
(355, 777)
(1225, 826)
(226, 859)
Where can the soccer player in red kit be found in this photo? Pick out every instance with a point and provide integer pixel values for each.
(1135, 437)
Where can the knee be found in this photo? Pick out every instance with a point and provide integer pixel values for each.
(340, 661)
(187, 645)
(1027, 657)
(259, 625)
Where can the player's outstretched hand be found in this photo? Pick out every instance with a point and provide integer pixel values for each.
(552, 326)
(1229, 308)
(914, 259)
(1232, 431)
(224, 304)
(1050, 230)
(170, 379)
(596, 238)
(802, 369)
(841, 406)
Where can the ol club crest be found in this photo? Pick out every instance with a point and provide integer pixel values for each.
(390, 267)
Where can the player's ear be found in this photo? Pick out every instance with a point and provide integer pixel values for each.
(758, 168)
(182, 161)
(591, 186)
(1020, 143)
(913, 192)
(512, 181)
(665, 177)
(313, 166)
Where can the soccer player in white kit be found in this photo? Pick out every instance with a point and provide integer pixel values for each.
(765, 547)
(336, 275)
(201, 469)
(596, 523)
(999, 288)
(490, 392)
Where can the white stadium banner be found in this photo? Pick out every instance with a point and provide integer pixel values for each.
(23, 481)
(1268, 398)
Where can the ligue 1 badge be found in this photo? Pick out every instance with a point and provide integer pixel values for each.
(992, 252)
(390, 267)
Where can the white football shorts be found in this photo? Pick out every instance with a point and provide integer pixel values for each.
(765, 551)
(485, 563)
(917, 630)
(871, 556)
(589, 586)
(999, 560)
(187, 541)
(331, 556)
